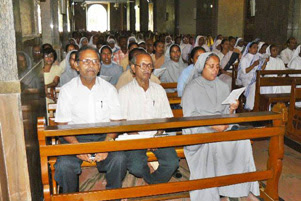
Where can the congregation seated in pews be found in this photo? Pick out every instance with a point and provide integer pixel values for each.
(183, 85)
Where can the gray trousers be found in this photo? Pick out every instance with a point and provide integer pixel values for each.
(168, 164)
(68, 169)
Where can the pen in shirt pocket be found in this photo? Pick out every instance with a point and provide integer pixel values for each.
(101, 104)
(153, 102)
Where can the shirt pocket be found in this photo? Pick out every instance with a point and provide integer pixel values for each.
(102, 110)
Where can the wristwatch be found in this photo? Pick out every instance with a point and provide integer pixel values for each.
(110, 139)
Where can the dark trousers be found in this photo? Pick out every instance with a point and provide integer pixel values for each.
(68, 169)
(168, 163)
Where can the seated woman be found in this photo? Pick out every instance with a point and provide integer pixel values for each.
(204, 96)
(201, 42)
(187, 74)
(228, 58)
(83, 42)
(174, 65)
(29, 77)
(52, 72)
(109, 68)
(262, 48)
(274, 63)
(246, 74)
(70, 70)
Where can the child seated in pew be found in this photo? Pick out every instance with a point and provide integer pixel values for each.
(144, 99)
(249, 64)
(274, 63)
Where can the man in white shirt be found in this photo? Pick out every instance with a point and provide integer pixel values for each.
(88, 99)
(287, 54)
(144, 99)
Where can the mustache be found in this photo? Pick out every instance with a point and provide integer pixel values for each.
(91, 69)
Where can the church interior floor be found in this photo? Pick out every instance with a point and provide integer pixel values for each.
(289, 184)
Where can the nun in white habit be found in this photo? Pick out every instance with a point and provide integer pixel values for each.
(201, 41)
(203, 96)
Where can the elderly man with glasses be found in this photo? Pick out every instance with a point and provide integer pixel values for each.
(144, 99)
(88, 99)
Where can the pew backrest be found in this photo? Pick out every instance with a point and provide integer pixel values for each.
(284, 78)
(293, 128)
(275, 132)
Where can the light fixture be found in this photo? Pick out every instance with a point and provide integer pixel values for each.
(116, 6)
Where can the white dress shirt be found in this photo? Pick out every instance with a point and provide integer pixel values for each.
(137, 104)
(77, 104)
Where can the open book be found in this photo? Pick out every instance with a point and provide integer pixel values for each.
(234, 95)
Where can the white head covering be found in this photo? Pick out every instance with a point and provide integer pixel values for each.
(196, 43)
(91, 44)
(260, 44)
(296, 54)
(75, 42)
(216, 43)
(237, 41)
(69, 72)
(81, 40)
(28, 62)
(167, 53)
(132, 38)
(268, 51)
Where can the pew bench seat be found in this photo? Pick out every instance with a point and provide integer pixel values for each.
(275, 132)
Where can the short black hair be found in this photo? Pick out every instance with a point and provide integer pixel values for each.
(49, 51)
(157, 42)
(194, 51)
(67, 46)
(84, 48)
(135, 50)
(44, 46)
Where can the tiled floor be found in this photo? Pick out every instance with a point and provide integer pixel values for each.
(289, 185)
(290, 180)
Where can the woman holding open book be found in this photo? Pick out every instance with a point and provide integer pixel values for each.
(204, 96)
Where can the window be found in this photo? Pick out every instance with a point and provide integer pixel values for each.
(97, 18)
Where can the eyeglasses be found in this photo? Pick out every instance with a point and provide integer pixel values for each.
(145, 66)
(87, 61)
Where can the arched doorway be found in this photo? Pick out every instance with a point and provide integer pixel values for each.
(97, 19)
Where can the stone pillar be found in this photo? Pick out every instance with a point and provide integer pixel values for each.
(160, 16)
(132, 16)
(50, 25)
(187, 17)
(143, 15)
(14, 176)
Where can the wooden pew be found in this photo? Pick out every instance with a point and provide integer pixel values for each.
(293, 128)
(171, 85)
(263, 101)
(272, 174)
